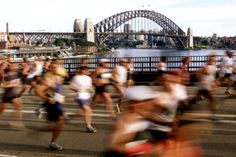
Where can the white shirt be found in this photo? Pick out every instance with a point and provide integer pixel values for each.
(162, 66)
(227, 65)
(83, 83)
(39, 68)
(121, 77)
(179, 91)
(209, 78)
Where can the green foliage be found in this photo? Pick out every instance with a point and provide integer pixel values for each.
(86, 43)
(59, 42)
(69, 42)
(205, 42)
(103, 48)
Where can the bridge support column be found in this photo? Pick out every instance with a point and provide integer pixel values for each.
(190, 38)
(78, 26)
(89, 30)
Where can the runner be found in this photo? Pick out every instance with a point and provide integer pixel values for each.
(207, 83)
(101, 78)
(60, 74)
(227, 69)
(27, 75)
(47, 65)
(119, 76)
(50, 92)
(38, 70)
(10, 84)
(162, 69)
(130, 71)
(82, 84)
(154, 112)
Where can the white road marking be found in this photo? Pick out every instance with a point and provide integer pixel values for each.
(69, 113)
(102, 113)
(205, 114)
(4, 155)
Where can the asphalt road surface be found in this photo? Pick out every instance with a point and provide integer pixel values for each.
(218, 138)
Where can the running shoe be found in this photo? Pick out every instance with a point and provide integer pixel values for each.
(39, 112)
(54, 146)
(91, 129)
(228, 92)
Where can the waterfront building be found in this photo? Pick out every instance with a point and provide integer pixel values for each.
(140, 37)
(86, 49)
(10, 41)
(3, 37)
(3, 40)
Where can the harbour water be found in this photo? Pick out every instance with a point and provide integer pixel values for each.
(160, 52)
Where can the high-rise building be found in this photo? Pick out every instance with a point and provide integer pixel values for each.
(214, 37)
(150, 37)
(7, 28)
(128, 29)
(89, 30)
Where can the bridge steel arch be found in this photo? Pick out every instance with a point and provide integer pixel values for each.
(111, 23)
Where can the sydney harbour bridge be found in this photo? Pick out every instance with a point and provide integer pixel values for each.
(142, 22)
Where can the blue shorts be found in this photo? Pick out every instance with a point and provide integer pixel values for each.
(54, 111)
(83, 102)
(26, 80)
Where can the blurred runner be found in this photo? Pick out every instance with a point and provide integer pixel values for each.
(101, 78)
(10, 95)
(161, 70)
(119, 78)
(207, 83)
(226, 69)
(148, 110)
(50, 91)
(130, 71)
(82, 85)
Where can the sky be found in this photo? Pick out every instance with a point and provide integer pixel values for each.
(205, 17)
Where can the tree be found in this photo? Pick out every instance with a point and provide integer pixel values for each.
(59, 42)
(69, 42)
(205, 42)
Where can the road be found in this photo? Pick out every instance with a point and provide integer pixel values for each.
(219, 140)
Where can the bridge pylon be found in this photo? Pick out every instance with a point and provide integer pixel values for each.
(78, 26)
(190, 38)
(89, 30)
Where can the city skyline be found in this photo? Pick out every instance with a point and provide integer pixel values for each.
(204, 17)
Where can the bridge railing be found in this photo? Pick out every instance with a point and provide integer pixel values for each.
(144, 64)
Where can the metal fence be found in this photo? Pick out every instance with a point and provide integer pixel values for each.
(144, 64)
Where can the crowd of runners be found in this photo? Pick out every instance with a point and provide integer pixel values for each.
(139, 108)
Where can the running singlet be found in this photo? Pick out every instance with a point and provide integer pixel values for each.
(11, 78)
